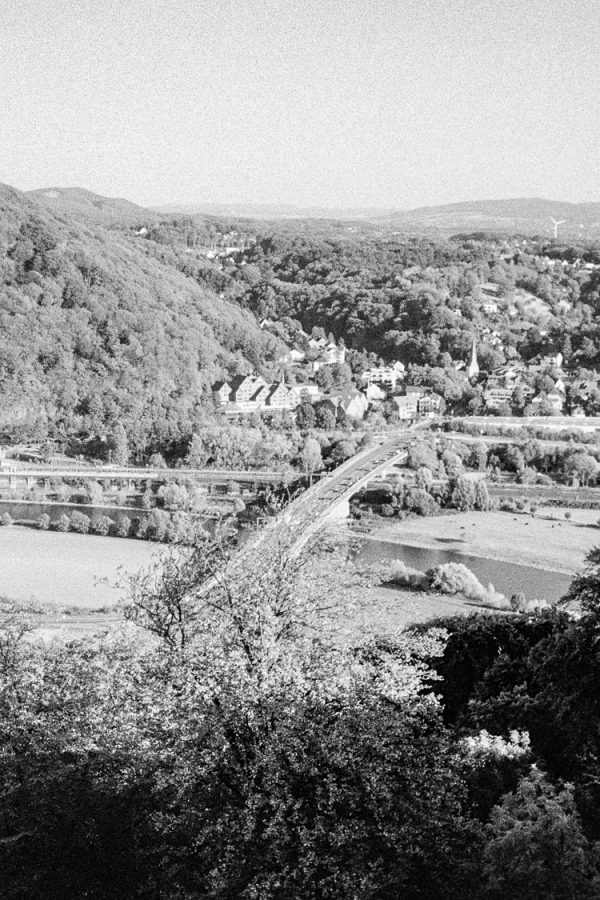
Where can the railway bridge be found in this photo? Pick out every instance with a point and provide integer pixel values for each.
(15, 475)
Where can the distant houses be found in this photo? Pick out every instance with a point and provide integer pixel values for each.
(246, 394)
(386, 376)
(251, 393)
(417, 402)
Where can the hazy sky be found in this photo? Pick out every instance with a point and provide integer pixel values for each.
(395, 103)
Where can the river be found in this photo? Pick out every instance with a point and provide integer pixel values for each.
(508, 578)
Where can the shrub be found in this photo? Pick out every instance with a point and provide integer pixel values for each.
(520, 603)
(6, 519)
(419, 501)
(139, 527)
(80, 523)
(64, 523)
(401, 574)
(157, 524)
(101, 525)
(44, 522)
(455, 578)
(123, 526)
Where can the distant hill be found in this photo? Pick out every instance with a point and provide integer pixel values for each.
(89, 207)
(513, 216)
(521, 215)
(272, 211)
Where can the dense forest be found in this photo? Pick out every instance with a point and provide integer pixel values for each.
(101, 327)
(234, 740)
(422, 301)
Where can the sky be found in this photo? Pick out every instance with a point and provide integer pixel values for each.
(338, 103)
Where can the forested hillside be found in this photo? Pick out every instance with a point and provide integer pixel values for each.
(113, 315)
(101, 323)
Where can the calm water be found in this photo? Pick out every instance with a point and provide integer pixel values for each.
(507, 578)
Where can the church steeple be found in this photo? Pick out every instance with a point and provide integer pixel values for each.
(473, 369)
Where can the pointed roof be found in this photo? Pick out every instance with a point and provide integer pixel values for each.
(473, 369)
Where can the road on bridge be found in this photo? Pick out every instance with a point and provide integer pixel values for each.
(311, 510)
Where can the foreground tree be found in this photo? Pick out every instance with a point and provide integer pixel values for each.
(537, 848)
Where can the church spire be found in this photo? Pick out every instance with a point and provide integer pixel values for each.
(473, 370)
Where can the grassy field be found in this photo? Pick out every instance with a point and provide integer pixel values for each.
(389, 610)
(547, 541)
(66, 569)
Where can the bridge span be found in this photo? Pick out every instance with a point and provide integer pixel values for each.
(329, 498)
(15, 475)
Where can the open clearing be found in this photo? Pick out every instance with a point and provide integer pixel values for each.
(547, 541)
(64, 569)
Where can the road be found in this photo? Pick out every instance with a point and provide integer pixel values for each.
(308, 513)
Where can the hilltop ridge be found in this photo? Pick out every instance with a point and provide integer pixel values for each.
(83, 204)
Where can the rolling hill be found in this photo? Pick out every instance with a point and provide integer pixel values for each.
(100, 324)
(522, 215)
(85, 206)
(528, 216)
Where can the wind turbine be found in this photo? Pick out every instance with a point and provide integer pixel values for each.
(556, 224)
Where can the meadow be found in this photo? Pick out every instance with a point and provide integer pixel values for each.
(66, 570)
(555, 539)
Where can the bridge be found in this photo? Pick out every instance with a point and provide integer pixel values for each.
(328, 499)
(17, 475)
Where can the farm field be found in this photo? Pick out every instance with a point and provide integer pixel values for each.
(65, 569)
(547, 541)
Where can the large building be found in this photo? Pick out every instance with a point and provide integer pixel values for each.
(251, 393)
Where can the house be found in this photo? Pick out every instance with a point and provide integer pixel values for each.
(243, 387)
(278, 396)
(297, 356)
(430, 405)
(260, 397)
(489, 288)
(334, 355)
(416, 390)
(553, 400)
(305, 392)
(406, 406)
(496, 397)
(330, 356)
(375, 394)
(354, 403)
(221, 392)
(385, 375)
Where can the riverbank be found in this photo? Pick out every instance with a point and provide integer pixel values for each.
(546, 541)
(390, 610)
